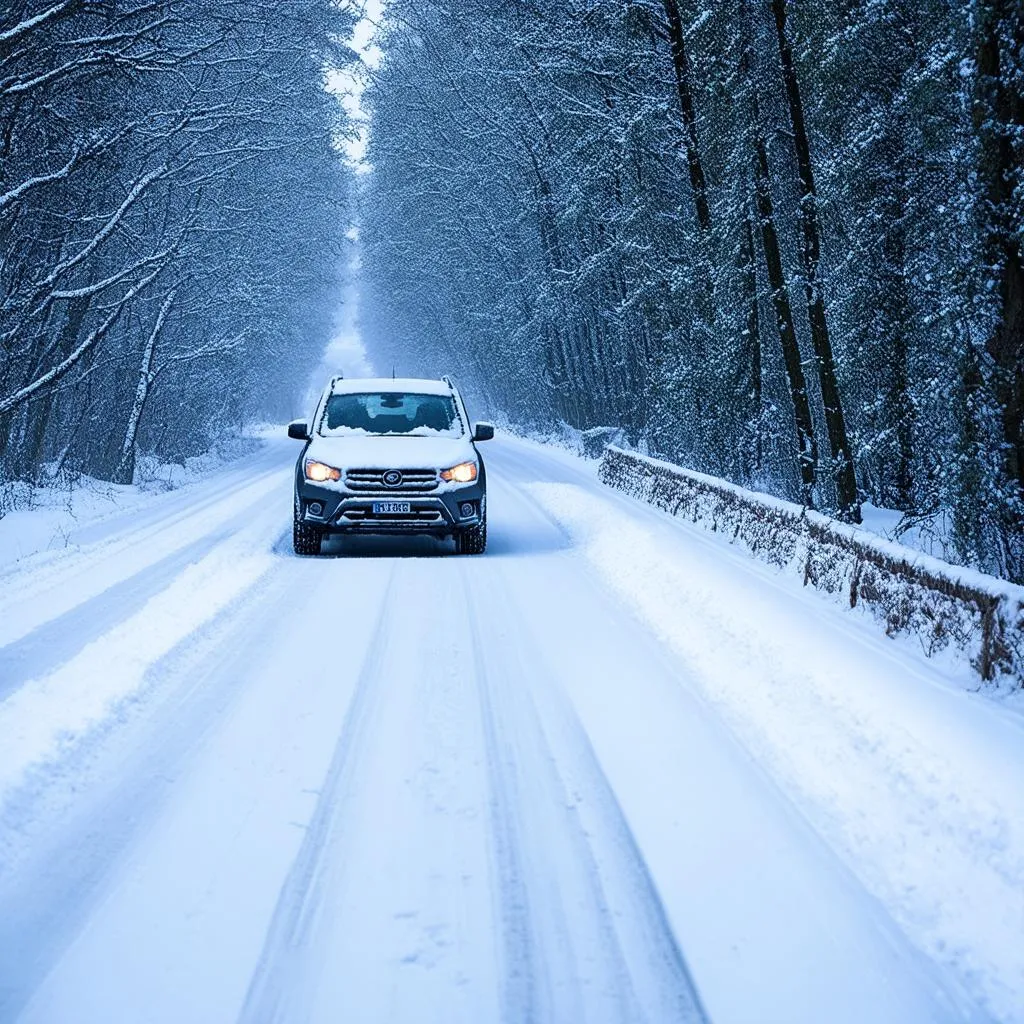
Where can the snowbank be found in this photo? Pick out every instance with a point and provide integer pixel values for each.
(945, 606)
(47, 518)
(915, 782)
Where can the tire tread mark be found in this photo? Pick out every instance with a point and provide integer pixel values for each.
(53, 643)
(72, 873)
(687, 1003)
(278, 989)
(520, 997)
(51, 573)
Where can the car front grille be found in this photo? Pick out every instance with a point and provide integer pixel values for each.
(414, 481)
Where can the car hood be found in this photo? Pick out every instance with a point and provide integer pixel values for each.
(391, 452)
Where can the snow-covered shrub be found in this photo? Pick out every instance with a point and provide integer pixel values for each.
(597, 439)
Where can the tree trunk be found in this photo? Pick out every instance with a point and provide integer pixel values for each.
(999, 118)
(807, 446)
(25, 460)
(125, 471)
(684, 86)
(901, 408)
(835, 421)
(748, 274)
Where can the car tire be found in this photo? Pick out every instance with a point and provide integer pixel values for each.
(305, 538)
(472, 541)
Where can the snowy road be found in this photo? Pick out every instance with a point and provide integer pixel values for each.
(239, 785)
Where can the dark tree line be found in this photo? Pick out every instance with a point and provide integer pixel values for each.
(776, 242)
(172, 215)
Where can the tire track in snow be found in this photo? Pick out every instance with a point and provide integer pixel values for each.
(599, 815)
(578, 902)
(523, 970)
(38, 590)
(45, 717)
(48, 646)
(282, 983)
(180, 503)
(194, 687)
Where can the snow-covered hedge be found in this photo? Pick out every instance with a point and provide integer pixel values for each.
(908, 592)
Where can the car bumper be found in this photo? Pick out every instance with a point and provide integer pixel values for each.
(439, 513)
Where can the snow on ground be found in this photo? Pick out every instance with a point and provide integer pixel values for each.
(43, 519)
(932, 536)
(916, 782)
(611, 771)
(47, 518)
(47, 712)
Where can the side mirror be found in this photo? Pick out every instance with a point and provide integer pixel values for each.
(483, 432)
(298, 430)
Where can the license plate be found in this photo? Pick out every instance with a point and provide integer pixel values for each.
(390, 508)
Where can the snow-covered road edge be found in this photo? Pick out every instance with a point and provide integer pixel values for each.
(946, 607)
(913, 782)
(46, 519)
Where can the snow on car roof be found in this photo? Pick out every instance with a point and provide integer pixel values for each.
(407, 385)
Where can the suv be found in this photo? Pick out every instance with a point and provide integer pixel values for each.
(390, 456)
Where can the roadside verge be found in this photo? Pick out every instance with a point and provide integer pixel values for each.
(907, 592)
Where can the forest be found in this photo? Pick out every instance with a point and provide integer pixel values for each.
(173, 209)
(778, 243)
(774, 242)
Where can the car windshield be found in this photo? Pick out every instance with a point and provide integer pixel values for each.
(391, 412)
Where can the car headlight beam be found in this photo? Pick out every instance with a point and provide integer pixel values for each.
(320, 473)
(463, 473)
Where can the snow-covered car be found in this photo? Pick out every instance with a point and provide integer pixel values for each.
(390, 456)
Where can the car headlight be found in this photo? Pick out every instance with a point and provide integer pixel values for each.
(463, 473)
(320, 473)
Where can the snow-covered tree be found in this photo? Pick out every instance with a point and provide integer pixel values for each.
(173, 208)
(777, 242)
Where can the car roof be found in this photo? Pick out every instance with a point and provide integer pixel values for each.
(408, 385)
